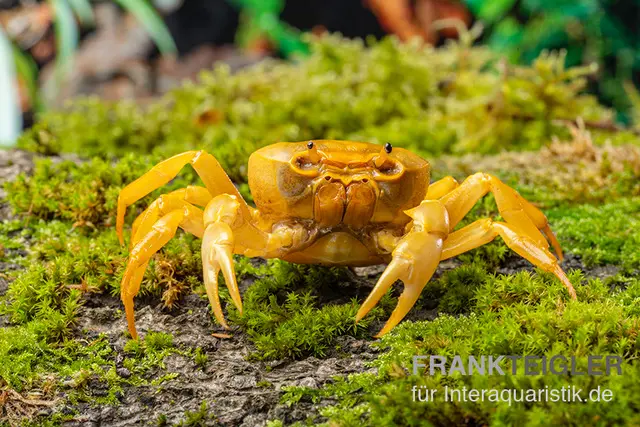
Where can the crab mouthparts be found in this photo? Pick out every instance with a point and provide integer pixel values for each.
(352, 205)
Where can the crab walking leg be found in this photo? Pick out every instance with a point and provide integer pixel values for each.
(191, 223)
(484, 231)
(413, 261)
(516, 211)
(441, 187)
(158, 236)
(191, 195)
(205, 165)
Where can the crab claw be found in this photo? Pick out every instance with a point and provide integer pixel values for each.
(217, 255)
(414, 262)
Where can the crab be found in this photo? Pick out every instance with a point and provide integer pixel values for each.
(330, 203)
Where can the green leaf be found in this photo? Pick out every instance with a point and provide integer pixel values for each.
(152, 22)
(66, 32)
(28, 71)
(506, 37)
(11, 117)
(83, 10)
(490, 11)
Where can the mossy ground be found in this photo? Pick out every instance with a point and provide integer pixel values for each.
(296, 354)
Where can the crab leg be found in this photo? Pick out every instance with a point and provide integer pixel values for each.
(159, 234)
(441, 187)
(517, 212)
(191, 223)
(224, 231)
(414, 261)
(228, 232)
(484, 231)
(158, 224)
(205, 165)
(194, 195)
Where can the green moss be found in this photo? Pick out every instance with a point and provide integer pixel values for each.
(40, 350)
(200, 357)
(11, 240)
(27, 357)
(282, 315)
(453, 99)
(200, 418)
(84, 193)
(67, 261)
(603, 234)
(510, 315)
(148, 353)
(460, 285)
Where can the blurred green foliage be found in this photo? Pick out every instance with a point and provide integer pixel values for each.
(452, 100)
(262, 18)
(600, 31)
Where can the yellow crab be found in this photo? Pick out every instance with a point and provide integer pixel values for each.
(331, 203)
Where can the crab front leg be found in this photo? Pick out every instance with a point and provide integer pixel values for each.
(228, 231)
(218, 243)
(150, 237)
(159, 223)
(414, 260)
(213, 226)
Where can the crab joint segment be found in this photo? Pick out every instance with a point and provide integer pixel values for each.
(228, 232)
(441, 187)
(164, 204)
(414, 260)
(484, 231)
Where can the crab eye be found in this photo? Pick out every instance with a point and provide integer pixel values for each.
(384, 163)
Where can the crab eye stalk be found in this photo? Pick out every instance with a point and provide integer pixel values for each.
(312, 152)
(383, 156)
(387, 167)
(307, 162)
